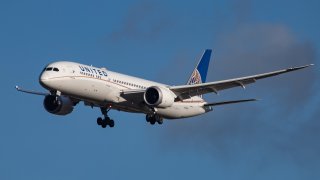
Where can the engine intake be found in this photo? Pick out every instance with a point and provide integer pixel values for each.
(158, 97)
(59, 105)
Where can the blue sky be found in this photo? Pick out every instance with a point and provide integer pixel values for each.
(276, 138)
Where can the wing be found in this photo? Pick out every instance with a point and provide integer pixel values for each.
(187, 91)
(31, 91)
(133, 95)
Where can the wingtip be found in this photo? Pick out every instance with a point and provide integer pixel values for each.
(307, 65)
(299, 67)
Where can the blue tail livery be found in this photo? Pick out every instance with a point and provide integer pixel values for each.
(199, 74)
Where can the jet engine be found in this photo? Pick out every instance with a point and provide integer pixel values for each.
(59, 105)
(159, 97)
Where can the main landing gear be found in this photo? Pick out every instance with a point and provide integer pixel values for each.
(153, 118)
(106, 121)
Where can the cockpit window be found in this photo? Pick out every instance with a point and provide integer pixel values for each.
(51, 69)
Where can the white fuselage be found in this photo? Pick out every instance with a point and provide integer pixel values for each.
(101, 87)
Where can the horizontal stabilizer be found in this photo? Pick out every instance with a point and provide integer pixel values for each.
(229, 102)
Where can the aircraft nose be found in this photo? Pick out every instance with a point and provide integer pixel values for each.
(43, 79)
(43, 76)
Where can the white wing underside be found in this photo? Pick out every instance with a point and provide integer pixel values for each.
(188, 91)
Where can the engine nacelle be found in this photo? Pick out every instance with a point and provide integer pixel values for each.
(159, 97)
(59, 105)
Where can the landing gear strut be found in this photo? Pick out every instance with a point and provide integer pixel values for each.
(153, 118)
(106, 121)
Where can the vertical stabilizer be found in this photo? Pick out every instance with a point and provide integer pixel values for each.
(199, 74)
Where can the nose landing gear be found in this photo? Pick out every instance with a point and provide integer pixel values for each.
(106, 121)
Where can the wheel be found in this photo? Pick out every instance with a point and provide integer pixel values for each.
(158, 119)
(99, 121)
(104, 123)
(111, 123)
(148, 117)
(152, 121)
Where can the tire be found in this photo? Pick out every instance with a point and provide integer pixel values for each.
(152, 121)
(148, 117)
(111, 123)
(103, 125)
(99, 121)
(160, 121)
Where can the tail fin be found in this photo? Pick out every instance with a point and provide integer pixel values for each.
(199, 74)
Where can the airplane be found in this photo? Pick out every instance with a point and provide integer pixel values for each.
(69, 83)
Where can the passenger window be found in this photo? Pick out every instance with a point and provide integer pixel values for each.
(56, 69)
